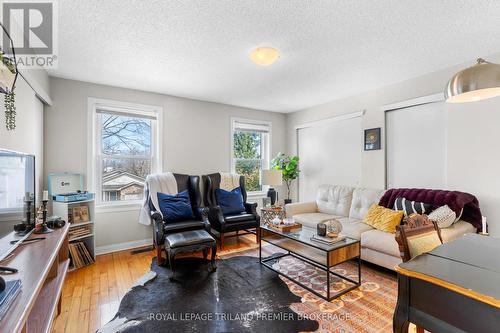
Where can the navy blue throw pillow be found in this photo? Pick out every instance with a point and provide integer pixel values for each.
(175, 207)
(230, 202)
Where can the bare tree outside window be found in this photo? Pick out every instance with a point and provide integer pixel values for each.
(126, 156)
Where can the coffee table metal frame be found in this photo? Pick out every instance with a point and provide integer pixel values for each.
(303, 257)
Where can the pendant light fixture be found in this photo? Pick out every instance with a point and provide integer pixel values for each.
(476, 83)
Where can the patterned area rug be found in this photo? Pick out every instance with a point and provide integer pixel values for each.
(368, 308)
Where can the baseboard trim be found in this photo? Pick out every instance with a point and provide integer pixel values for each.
(122, 246)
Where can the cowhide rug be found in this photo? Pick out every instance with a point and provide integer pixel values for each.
(240, 296)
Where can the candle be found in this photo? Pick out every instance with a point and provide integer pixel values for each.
(484, 225)
(45, 196)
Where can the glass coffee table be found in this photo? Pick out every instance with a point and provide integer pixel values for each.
(298, 244)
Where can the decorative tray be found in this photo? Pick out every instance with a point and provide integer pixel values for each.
(285, 227)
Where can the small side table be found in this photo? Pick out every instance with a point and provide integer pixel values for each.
(267, 214)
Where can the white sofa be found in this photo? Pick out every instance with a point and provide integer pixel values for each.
(349, 205)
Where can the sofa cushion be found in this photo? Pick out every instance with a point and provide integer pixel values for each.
(380, 241)
(423, 242)
(175, 207)
(334, 199)
(239, 218)
(444, 216)
(382, 218)
(412, 207)
(386, 243)
(379, 258)
(458, 229)
(353, 228)
(300, 208)
(362, 199)
(231, 202)
(312, 219)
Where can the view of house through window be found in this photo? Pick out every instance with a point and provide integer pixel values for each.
(250, 152)
(125, 155)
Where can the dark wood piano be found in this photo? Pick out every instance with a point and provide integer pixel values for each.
(454, 288)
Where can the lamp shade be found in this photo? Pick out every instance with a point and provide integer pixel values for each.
(272, 177)
(481, 81)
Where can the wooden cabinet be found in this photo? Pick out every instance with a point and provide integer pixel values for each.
(42, 269)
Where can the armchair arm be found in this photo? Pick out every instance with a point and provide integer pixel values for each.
(203, 212)
(158, 231)
(216, 218)
(251, 208)
(300, 208)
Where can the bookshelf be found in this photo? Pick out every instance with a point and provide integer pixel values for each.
(80, 216)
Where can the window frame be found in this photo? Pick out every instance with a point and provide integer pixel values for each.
(94, 154)
(266, 149)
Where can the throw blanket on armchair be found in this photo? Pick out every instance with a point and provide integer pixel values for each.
(229, 181)
(454, 199)
(161, 182)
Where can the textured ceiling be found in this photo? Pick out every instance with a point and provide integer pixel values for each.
(329, 49)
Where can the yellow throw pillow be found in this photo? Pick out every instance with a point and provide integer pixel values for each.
(382, 218)
(423, 243)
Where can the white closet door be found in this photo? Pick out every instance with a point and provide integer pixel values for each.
(330, 153)
(416, 146)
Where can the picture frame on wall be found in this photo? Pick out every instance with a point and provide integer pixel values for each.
(372, 139)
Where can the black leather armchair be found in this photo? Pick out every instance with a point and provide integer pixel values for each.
(247, 220)
(162, 228)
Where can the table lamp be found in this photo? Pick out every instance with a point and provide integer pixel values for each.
(272, 178)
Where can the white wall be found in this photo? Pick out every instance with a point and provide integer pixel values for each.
(27, 137)
(476, 132)
(329, 155)
(474, 154)
(196, 140)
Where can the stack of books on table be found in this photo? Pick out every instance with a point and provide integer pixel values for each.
(80, 255)
(8, 295)
(326, 240)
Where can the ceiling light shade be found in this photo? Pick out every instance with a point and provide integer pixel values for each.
(481, 81)
(264, 56)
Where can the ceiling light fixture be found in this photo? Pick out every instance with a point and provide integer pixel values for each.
(264, 56)
(481, 81)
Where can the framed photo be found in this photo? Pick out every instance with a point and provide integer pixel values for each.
(84, 213)
(372, 139)
(77, 214)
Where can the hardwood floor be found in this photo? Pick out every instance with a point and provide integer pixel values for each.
(91, 295)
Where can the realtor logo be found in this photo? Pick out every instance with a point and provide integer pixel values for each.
(32, 27)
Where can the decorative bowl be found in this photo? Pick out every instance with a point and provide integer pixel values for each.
(333, 227)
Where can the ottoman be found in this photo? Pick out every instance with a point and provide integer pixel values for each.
(189, 242)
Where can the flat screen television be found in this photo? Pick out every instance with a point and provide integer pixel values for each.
(17, 183)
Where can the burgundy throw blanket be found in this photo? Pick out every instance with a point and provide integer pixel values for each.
(454, 199)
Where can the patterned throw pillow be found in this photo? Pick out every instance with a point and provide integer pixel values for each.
(444, 216)
(382, 218)
(423, 243)
(411, 207)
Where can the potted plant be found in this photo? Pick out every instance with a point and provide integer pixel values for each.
(289, 167)
(8, 75)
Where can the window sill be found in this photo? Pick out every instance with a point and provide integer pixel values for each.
(256, 195)
(118, 207)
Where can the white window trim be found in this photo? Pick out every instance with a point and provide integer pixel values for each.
(267, 159)
(93, 142)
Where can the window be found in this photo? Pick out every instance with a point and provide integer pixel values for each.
(250, 151)
(125, 151)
